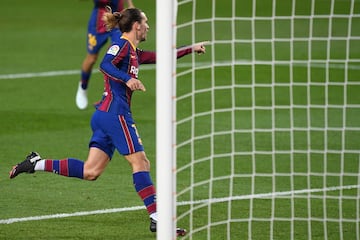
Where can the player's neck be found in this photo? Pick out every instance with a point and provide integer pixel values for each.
(132, 38)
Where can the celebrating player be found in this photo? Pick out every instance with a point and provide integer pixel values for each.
(112, 124)
(97, 36)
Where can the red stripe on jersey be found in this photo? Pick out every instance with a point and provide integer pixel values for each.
(64, 169)
(147, 192)
(120, 5)
(48, 165)
(125, 128)
(123, 53)
(100, 26)
(105, 104)
(128, 95)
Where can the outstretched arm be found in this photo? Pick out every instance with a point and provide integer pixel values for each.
(198, 48)
(147, 57)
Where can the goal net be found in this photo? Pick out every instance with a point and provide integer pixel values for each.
(268, 120)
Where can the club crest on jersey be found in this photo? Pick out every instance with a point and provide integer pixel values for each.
(113, 50)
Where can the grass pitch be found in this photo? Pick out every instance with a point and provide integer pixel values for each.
(38, 113)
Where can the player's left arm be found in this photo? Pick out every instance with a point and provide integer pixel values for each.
(148, 57)
(198, 48)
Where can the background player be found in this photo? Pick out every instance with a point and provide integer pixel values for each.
(97, 36)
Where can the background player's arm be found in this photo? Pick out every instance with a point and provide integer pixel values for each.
(129, 3)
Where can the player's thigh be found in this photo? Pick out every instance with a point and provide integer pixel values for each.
(95, 41)
(102, 126)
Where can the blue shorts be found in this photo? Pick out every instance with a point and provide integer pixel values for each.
(111, 131)
(95, 41)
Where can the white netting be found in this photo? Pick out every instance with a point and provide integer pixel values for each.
(268, 121)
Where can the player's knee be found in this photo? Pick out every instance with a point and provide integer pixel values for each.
(144, 162)
(141, 165)
(91, 59)
(147, 163)
(91, 175)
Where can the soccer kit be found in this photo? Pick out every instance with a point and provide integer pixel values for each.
(97, 34)
(112, 123)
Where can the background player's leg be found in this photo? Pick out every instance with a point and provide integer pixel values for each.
(87, 66)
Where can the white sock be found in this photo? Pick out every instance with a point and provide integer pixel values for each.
(154, 216)
(40, 165)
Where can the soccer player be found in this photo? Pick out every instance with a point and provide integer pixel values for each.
(112, 124)
(97, 36)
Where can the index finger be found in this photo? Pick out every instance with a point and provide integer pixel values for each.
(204, 43)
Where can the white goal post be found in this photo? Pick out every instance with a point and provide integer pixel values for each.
(260, 137)
(165, 158)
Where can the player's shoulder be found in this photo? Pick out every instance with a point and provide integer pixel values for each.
(119, 41)
(120, 45)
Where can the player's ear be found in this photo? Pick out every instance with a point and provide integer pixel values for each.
(137, 26)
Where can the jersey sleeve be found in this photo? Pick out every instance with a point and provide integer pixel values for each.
(114, 58)
(182, 51)
(148, 57)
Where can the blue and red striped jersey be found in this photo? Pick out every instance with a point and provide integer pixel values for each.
(119, 65)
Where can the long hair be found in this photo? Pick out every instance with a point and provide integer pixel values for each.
(123, 20)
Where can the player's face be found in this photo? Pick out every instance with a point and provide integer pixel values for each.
(143, 28)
